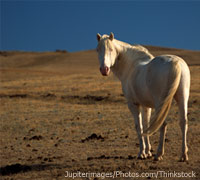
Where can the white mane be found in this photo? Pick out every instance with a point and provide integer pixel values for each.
(129, 57)
(134, 51)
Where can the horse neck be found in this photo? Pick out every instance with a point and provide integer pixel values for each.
(129, 57)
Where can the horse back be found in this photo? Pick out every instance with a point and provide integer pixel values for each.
(159, 73)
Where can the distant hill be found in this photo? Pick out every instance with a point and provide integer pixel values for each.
(63, 61)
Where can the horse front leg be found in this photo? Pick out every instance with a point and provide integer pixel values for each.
(139, 128)
(146, 115)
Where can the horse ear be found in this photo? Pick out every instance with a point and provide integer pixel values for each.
(98, 37)
(111, 37)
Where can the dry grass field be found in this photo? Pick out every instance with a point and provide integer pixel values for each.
(59, 115)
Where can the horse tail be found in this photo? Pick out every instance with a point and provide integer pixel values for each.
(163, 108)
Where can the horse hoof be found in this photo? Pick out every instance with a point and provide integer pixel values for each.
(184, 158)
(142, 156)
(149, 154)
(158, 158)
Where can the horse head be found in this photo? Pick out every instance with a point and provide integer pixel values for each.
(106, 52)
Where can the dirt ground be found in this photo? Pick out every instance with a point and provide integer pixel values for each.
(60, 116)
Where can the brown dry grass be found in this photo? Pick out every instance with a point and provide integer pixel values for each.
(59, 114)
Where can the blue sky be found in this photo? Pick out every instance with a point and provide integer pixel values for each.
(72, 25)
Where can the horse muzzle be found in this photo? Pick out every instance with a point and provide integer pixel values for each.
(105, 70)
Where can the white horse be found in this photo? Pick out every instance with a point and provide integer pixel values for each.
(148, 82)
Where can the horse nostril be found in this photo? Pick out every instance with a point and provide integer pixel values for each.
(104, 70)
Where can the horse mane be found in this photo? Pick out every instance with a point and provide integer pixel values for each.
(137, 49)
(135, 52)
(129, 56)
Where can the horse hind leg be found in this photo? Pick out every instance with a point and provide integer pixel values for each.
(160, 150)
(182, 101)
(184, 129)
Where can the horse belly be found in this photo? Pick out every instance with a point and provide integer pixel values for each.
(137, 91)
(144, 97)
